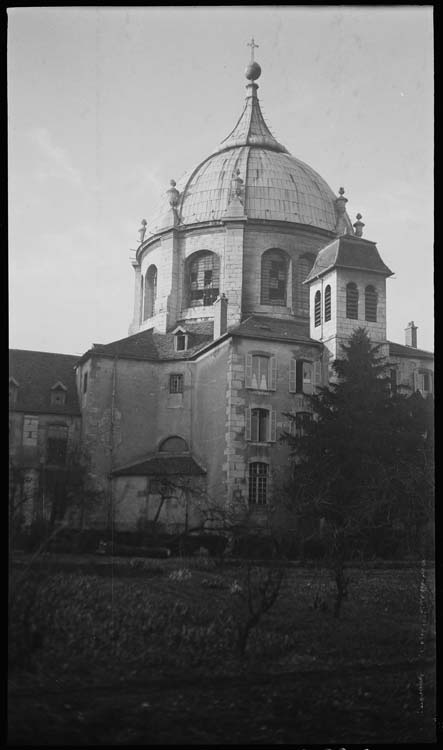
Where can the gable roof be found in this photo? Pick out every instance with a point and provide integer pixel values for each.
(410, 352)
(158, 465)
(348, 251)
(36, 373)
(149, 345)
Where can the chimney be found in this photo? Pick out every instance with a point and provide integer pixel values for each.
(411, 335)
(220, 316)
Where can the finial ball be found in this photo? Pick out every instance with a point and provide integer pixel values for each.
(172, 182)
(253, 71)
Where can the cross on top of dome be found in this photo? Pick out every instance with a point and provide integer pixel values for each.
(253, 71)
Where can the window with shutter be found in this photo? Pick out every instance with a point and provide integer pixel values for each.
(30, 431)
(248, 370)
(416, 380)
(293, 376)
(273, 432)
(248, 427)
(317, 372)
(273, 374)
(259, 425)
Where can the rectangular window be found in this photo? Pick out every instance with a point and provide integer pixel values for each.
(302, 421)
(259, 425)
(258, 483)
(207, 278)
(30, 430)
(57, 444)
(176, 383)
(180, 342)
(85, 382)
(261, 372)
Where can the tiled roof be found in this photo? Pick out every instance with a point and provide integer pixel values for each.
(36, 373)
(263, 327)
(170, 464)
(348, 251)
(410, 352)
(157, 346)
(276, 185)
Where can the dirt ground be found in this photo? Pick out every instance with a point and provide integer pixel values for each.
(393, 705)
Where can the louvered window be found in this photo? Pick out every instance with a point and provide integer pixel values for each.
(317, 309)
(352, 301)
(370, 304)
(327, 303)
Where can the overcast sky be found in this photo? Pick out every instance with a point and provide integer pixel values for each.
(106, 105)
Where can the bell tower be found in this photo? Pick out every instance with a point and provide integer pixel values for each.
(347, 290)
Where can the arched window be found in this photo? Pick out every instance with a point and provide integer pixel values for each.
(274, 273)
(327, 303)
(370, 304)
(258, 483)
(352, 301)
(203, 278)
(174, 444)
(150, 292)
(317, 309)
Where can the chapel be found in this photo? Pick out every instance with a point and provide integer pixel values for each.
(247, 278)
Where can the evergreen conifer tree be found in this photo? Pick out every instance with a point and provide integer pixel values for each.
(363, 467)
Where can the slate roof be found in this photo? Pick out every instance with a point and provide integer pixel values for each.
(263, 327)
(156, 346)
(276, 186)
(410, 352)
(36, 373)
(167, 464)
(348, 251)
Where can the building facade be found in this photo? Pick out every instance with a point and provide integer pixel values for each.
(246, 281)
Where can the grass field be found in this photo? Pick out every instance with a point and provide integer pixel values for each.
(167, 630)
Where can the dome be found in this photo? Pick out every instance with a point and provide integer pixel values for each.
(269, 182)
